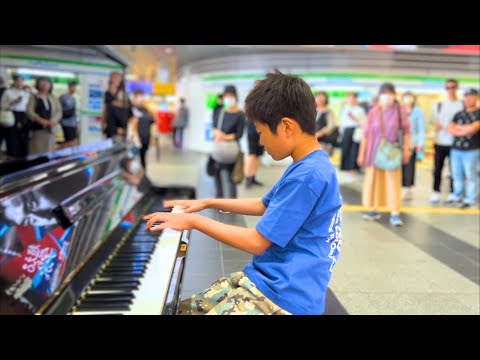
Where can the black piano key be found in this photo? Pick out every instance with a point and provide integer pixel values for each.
(132, 257)
(129, 262)
(118, 278)
(100, 300)
(117, 293)
(104, 307)
(123, 273)
(113, 286)
(117, 281)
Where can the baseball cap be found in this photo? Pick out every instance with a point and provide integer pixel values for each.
(470, 91)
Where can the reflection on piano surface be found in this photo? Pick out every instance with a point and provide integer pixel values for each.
(72, 238)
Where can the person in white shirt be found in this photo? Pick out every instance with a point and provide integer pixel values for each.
(352, 117)
(16, 100)
(443, 114)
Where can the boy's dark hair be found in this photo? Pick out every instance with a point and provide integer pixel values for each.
(279, 96)
(138, 92)
(72, 83)
(452, 80)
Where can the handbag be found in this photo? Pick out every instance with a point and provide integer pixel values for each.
(210, 166)
(357, 135)
(7, 119)
(389, 154)
(225, 152)
(237, 173)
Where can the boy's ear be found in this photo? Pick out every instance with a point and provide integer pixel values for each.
(288, 125)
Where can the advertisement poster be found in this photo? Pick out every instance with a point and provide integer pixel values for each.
(93, 88)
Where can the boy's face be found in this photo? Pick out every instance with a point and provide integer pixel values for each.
(278, 145)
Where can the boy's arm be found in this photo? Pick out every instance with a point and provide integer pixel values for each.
(249, 240)
(252, 206)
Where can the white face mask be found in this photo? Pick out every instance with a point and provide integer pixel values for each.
(135, 167)
(385, 99)
(408, 100)
(229, 101)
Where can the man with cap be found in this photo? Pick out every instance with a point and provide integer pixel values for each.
(465, 153)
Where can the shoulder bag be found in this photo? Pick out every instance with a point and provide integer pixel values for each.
(389, 154)
(225, 152)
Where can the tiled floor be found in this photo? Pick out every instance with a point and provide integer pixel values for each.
(429, 266)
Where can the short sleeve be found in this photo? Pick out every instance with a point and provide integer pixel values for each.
(456, 117)
(287, 211)
(405, 121)
(268, 196)
(368, 123)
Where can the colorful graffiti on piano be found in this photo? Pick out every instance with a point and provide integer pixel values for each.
(35, 252)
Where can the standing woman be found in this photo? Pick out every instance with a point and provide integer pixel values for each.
(417, 128)
(326, 129)
(351, 121)
(45, 111)
(117, 108)
(228, 128)
(384, 187)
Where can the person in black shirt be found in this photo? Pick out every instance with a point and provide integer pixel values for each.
(227, 127)
(117, 108)
(144, 123)
(465, 152)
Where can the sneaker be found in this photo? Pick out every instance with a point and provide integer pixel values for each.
(452, 201)
(249, 182)
(396, 220)
(435, 198)
(371, 216)
(466, 206)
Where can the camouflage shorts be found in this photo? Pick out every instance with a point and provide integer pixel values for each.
(232, 295)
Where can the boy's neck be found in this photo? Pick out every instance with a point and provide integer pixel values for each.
(305, 145)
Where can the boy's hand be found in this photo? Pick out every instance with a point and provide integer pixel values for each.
(179, 221)
(190, 206)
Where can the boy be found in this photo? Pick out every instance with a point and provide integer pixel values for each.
(297, 241)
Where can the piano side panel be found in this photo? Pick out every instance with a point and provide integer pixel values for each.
(36, 254)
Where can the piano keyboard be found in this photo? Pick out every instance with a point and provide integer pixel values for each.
(136, 280)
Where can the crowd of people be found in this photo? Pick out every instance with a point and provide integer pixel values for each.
(392, 125)
(30, 120)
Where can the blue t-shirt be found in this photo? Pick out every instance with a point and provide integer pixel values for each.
(302, 220)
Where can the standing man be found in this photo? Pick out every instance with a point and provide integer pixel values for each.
(69, 120)
(465, 154)
(144, 123)
(180, 123)
(16, 99)
(443, 114)
(219, 106)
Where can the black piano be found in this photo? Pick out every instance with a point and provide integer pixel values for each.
(73, 241)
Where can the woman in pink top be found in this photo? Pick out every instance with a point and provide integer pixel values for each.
(383, 188)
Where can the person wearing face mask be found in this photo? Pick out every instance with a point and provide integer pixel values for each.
(383, 187)
(417, 123)
(228, 127)
(180, 123)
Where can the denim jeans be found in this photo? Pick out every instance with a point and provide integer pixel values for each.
(465, 173)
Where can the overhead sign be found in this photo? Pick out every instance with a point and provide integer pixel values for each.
(164, 88)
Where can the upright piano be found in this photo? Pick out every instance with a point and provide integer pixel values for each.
(73, 241)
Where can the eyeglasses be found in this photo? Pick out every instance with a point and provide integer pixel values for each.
(451, 87)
